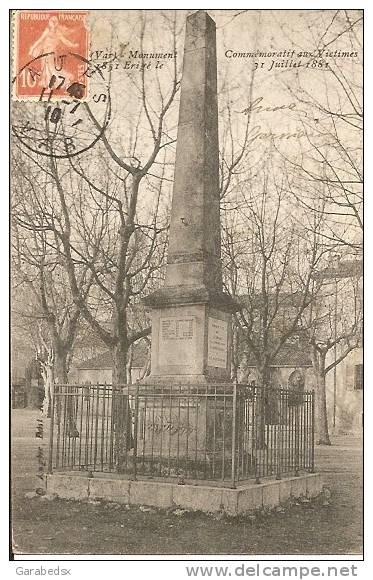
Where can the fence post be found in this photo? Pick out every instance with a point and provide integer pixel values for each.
(296, 434)
(313, 431)
(233, 476)
(279, 436)
(51, 429)
(135, 428)
(257, 423)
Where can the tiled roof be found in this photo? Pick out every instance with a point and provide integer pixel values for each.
(104, 360)
(342, 269)
(287, 357)
(285, 299)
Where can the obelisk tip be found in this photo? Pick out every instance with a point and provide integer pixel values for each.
(202, 14)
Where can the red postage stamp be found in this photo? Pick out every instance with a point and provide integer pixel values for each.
(51, 52)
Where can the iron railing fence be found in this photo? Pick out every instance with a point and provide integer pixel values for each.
(226, 433)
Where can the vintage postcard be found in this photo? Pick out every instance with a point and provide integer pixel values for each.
(186, 257)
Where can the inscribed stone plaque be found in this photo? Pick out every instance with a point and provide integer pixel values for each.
(217, 343)
(177, 341)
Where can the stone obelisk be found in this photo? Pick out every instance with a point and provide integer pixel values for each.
(191, 315)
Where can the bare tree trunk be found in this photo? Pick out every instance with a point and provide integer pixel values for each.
(318, 361)
(261, 403)
(60, 366)
(47, 371)
(322, 415)
(61, 378)
(264, 375)
(121, 402)
(119, 354)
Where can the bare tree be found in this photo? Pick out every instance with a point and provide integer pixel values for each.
(109, 220)
(329, 164)
(38, 272)
(270, 259)
(333, 326)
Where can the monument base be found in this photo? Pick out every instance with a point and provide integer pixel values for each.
(245, 498)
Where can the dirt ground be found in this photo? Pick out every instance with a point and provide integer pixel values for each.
(68, 527)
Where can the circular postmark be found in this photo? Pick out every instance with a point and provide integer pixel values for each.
(61, 121)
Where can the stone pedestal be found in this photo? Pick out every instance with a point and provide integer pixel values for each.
(191, 344)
